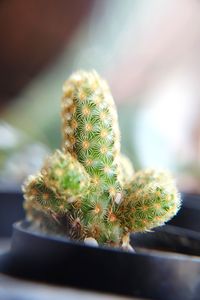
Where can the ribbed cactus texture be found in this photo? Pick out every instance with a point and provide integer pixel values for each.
(65, 175)
(150, 199)
(88, 191)
(90, 128)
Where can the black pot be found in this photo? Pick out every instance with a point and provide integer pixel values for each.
(188, 216)
(169, 238)
(54, 259)
(11, 210)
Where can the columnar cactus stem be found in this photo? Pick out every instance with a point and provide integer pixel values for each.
(90, 128)
(88, 191)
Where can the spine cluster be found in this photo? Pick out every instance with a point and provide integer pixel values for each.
(90, 128)
(89, 189)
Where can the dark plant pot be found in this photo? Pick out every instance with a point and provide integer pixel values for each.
(170, 238)
(188, 216)
(11, 210)
(52, 259)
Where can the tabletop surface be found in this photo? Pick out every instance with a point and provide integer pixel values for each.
(15, 289)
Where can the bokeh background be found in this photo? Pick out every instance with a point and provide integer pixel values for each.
(147, 50)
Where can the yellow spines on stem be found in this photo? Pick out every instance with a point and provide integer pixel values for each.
(150, 200)
(90, 128)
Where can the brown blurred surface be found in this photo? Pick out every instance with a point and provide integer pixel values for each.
(32, 33)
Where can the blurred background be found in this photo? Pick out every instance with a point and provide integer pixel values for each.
(148, 51)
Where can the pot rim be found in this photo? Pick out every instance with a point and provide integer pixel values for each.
(23, 227)
(178, 230)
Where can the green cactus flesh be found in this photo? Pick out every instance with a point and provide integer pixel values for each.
(65, 175)
(90, 128)
(88, 190)
(150, 200)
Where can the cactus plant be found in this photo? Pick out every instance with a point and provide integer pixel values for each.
(88, 190)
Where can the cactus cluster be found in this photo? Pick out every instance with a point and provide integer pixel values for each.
(88, 191)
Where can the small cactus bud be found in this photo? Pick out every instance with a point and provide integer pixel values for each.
(64, 174)
(150, 200)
